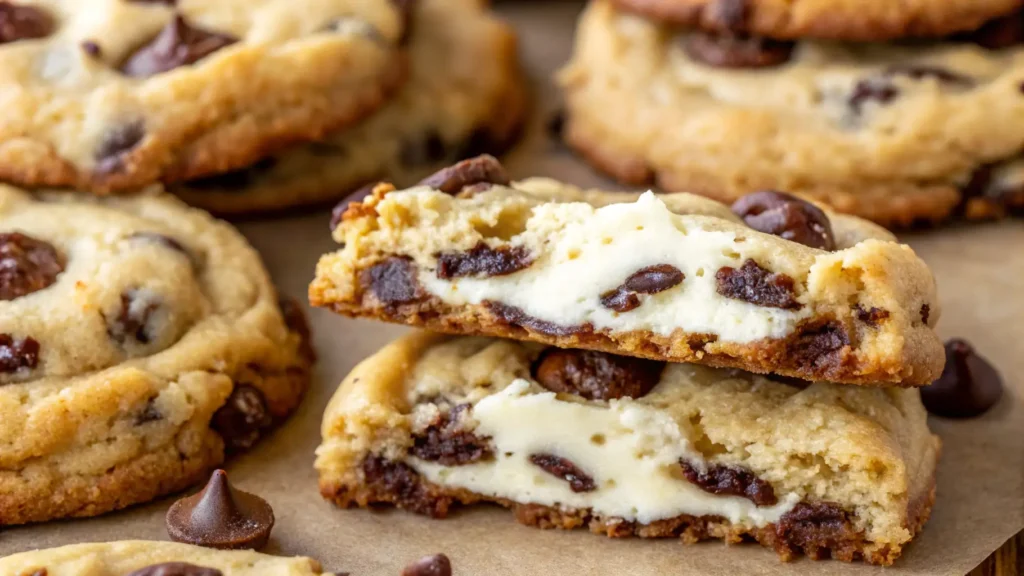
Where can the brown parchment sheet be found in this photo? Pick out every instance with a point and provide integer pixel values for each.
(980, 503)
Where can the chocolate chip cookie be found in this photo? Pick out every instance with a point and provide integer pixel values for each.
(142, 340)
(464, 97)
(624, 446)
(898, 133)
(773, 284)
(147, 558)
(828, 19)
(117, 94)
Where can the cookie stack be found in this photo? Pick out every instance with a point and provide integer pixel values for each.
(657, 366)
(896, 112)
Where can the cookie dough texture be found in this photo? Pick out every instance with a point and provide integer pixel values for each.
(864, 454)
(464, 95)
(538, 259)
(124, 557)
(828, 19)
(896, 134)
(92, 103)
(160, 344)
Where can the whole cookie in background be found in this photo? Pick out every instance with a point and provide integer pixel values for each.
(896, 133)
(108, 95)
(465, 96)
(150, 558)
(863, 20)
(141, 340)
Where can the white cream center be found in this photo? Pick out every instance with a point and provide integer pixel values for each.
(631, 451)
(596, 250)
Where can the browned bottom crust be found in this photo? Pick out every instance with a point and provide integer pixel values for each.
(819, 538)
(895, 204)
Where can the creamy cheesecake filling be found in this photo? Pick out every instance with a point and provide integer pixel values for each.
(597, 249)
(631, 451)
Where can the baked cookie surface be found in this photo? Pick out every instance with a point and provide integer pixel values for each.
(576, 438)
(674, 277)
(897, 134)
(149, 558)
(108, 95)
(464, 96)
(831, 19)
(140, 340)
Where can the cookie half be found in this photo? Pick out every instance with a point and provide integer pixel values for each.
(465, 96)
(898, 134)
(870, 20)
(141, 341)
(674, 277)
(118, 94)
(147, 558)
(630, 447)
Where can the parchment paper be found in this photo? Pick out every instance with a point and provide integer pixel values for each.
(980, 480)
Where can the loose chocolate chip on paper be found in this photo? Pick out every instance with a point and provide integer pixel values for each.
(436, 565)
(16, 354)
(731, 481)
(579, 481)
(27, 265)
(757, 285)
(482, 261)
(178, 44)
(242, 418)
(454, 178)
(393, 281)
(175, 569)
(647, 280)
(871, 316)
(968, 387)
(596, 375)
(786, 216)
(736, 51)
(221, 517)
(116, 144)
(18, 22)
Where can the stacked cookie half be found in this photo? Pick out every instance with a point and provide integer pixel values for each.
(657, 366)
(898, 112)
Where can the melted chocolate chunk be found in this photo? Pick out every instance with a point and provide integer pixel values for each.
(596, 375)
(515, 316)
(926, 311)
(19, 22)
(878, 90)
(786, 216)
(18, 354)
(736, 51)
(872, 317)
(482, 261)
(175, 569)
(731, 482)
(242, 418)
(1000, 33)
(178, 44)
(116, 144)
(221, 517)
(133, 319)
(757, 285)
(360, 194)
(729, 15)
(427, 149)
(403, 487)
(820, 347)
(445, 442)
(579, 481)
(968, 387)
(482, 169)
(649, 280)
(27, 265)
(815, 528)
(436, 565)
(393, 281)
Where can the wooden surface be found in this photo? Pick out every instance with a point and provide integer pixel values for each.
(1007, 561)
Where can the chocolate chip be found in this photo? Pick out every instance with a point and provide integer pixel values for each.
(718, 479)
(483, 168)
(757, 285)
(400, 485)
(242, 418)
(27, 265)
(517, 317)
(968, 387)
(235, 180)
(579, 481)
(221, 517)
(92, 48)
(998, 34)
(393, 281)
(18, 354)
(161, 239)
(427, 149)
(175, 568)
(23, 22)
(338, 212)
(926, 311)
(482, 261)
(878, 90)
(178, 44)
(596, 375)
(815, 528)
(149, 414)
(446, 442)
(872, 317)
(648, 280)
(736, 51)
(436, 565)
(116, 144)
(133, 319)
(788, 217)
(819, 347)
(882, 90)
(728, 14)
